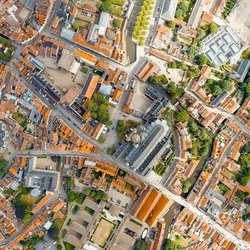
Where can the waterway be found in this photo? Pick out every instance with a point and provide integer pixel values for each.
(131, 49)
(170, 216)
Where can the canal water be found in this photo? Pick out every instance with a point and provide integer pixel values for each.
(170, 216)
(131, 49)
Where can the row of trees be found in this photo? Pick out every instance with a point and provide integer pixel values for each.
(177, 65)
(97, 195)
(245, 86)
(99, 109)
(243, 175)
(216, 87)
(141, 24)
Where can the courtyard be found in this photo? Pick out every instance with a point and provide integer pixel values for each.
(140, 102)
(102, 232)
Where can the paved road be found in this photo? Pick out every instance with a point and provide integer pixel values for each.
(23, 228)
(220, 111)
(146, 179)
(154, 22)
(60, 111)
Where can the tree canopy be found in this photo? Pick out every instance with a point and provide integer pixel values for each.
(216, 87)
(243, 175)
(213, 27)
(174, 91)
(200, 140)
(161, 79)
(171, 245)
(3, 165)
(117, 23)
(53, 232)
(193, 72)
(201, 59)
(99, 108)
(186, 186)
(140, 245)
(245, 86)
(182, 116)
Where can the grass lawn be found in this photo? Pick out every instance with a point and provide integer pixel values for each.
(84, 70)
(28, 200)
(102, 232)
(179, 240)
(59, 222)
(21, 119)
(129, 186)
(89, 210)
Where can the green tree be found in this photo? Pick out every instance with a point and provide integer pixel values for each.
(120, 127)
(53, 232)
(104, 197)
(226, 85)
(69, 182)
(172, 65)
(117, 23)
(213, 28)
(182, 116)
(179, 14)
(106, 6)
(140, 245)
(93, 193)
(3, 165)
(201, 59)
(223, 188)
(216, 90)
(171, 245)
(186, 186)
(171, 88)
(110, 151)
(193, 51)
(170, 24)
(193, 72)
(201, 33)
(71, 195)
(80, 198)
(161, 79)
(246, 216)
(192, 126)
(87, 191)
(203, 135)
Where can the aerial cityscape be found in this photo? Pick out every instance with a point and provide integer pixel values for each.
(124, 124)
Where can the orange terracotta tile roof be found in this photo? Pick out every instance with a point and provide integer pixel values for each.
(42, 202)
(86, 56)
(117, 94)
(92, 86)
